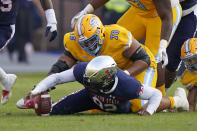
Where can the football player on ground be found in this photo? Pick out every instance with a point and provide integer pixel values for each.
(153, 19)
(185, 30)
(113, 40)
(189, 78)
(107, 88)
(8, 12)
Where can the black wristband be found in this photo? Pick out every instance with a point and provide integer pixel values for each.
(140, 54)
(59, 66)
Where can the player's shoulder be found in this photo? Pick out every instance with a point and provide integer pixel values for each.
(79, 70)
(188, 78)
(115, 27)
(117, 34)
(70, 36)
(70, 40)
(125, 78)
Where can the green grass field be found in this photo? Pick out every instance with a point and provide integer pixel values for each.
(13, 119)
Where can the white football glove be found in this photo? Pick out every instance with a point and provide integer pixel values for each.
(88, 9)
(174, 3)
(51, 24)
(162, 55)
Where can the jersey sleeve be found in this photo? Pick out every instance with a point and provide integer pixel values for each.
(125, 37)
(129, 87)
(79, 71)
(68, 37)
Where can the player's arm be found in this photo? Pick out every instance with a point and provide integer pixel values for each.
(154, 98)
(138, 55)
(50, 17)
(192, 98)
(164, 11)
(65, 62)
(53, 80)
(93, 5)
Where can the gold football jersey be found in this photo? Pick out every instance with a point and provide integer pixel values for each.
(188, 79)
(116, 40)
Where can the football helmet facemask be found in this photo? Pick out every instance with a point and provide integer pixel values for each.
(89, 32)
(189, 55)
(100, 73)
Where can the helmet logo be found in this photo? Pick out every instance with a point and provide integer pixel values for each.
(107, 71)
(94, 22)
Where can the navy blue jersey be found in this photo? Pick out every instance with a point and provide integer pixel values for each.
(117, 101)
(186, 4)
(8, 11)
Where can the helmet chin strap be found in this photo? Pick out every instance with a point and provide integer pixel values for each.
(113, 88)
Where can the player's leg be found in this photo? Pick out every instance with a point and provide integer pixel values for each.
(184, 31)
(152, 42)
(134, 23)
(7, 80)
(178, 101)
(153, 39)
(76, 102)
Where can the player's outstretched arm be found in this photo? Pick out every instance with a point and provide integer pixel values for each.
(154, 97)
(51, 19)
(53, 80)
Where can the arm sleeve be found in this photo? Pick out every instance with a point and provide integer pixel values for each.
(54, 79)
(153, 96)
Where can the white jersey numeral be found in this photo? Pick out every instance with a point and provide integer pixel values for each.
(106, 107)
(6, 5)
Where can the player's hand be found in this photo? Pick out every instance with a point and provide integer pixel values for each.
(162, 55)
(52, 28)
(76, 18)
(88, 9)
(143, 113)
(51, 24)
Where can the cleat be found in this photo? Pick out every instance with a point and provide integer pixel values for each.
(180, 99)
(28, 104)
(7, 85)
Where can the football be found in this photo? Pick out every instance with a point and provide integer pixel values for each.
(42, 104)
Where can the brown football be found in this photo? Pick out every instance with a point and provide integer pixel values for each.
(42, 104)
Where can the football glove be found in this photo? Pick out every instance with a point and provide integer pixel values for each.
(88, 9)
(51, 24)
(162, 55)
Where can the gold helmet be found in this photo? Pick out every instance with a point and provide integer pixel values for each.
(189, 55)
(89, 32)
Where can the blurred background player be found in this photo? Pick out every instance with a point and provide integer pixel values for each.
(113, 10)
(106, 88)
(8, 13)
(139, 20)
(189, 78)
(185, 30)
